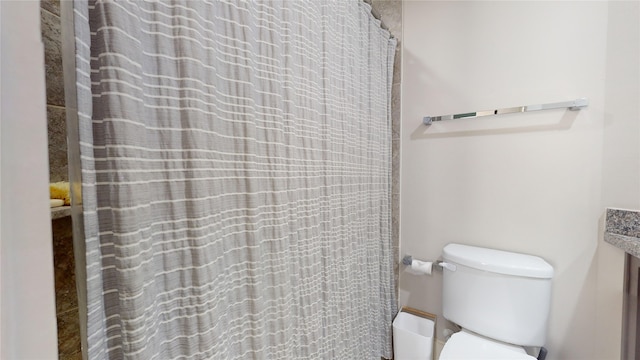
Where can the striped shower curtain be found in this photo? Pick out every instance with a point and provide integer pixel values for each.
(236, 162)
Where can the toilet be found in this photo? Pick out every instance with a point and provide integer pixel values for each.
(500, 299)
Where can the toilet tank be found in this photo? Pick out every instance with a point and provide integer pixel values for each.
(502, 295)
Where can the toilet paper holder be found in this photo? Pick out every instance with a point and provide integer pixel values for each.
(437, 265)
(419, 267)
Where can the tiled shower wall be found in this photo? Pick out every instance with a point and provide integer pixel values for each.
(390, 12)
(64, 272)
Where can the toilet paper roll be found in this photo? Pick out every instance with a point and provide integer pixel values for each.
(421, 267)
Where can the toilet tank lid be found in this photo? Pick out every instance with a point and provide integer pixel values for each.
(498, 261)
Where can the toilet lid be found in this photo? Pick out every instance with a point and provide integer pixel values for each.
(466, 345)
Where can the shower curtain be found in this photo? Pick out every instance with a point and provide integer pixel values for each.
(236, 164)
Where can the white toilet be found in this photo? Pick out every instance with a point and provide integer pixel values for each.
(500, 300)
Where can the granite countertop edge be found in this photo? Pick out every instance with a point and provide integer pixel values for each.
(629, 244)
(622, 230)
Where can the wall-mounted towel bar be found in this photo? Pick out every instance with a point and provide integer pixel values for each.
(576, 104)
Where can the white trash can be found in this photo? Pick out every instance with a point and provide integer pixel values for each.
(412, 337)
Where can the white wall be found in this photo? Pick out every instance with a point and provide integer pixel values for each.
(27, 304)
(536, 183)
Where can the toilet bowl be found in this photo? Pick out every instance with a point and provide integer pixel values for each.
(500, 299)
(467, 345)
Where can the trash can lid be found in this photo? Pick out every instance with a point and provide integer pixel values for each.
(465, 345)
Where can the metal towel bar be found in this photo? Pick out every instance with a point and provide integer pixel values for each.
(576, 104)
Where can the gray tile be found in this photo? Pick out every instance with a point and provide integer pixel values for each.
(72, 356)
(52, 6)
(395, 187)
(395, 209)
(395, 163)
(52, 39)
(390, 14)
(397, 65)
(395, 204)
(395, 111)
(395, 229)
(69, 334)
(57, 126)
(395, 123)
(64, 265)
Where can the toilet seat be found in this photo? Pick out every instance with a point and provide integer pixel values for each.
(467, 345)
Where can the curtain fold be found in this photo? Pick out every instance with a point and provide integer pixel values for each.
(236, 164)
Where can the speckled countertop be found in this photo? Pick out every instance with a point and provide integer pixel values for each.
(622, 229)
